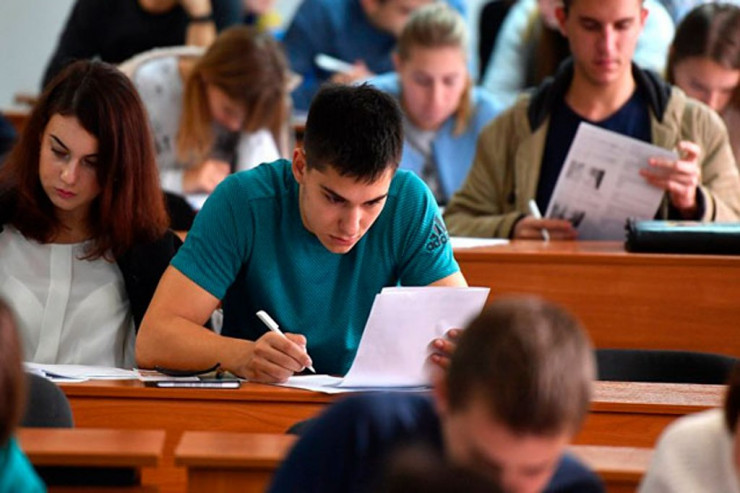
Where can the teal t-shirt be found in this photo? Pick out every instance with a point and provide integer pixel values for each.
(16, 473)
(248, 247)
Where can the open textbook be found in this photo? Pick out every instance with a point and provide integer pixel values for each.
(395, 343)
(600, 186)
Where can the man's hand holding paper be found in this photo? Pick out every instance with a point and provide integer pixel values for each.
(680, 177)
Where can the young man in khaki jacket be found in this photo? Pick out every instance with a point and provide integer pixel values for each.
(521, 153)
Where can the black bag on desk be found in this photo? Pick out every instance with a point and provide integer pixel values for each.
(683, 237)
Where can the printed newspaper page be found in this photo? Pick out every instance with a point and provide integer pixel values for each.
(600, 186)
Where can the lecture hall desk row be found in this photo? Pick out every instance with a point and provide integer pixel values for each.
(233, 461)
(220, 462)
(625, 300)
(621, 414)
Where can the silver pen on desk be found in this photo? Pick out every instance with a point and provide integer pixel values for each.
(535, 211)
(273, 326)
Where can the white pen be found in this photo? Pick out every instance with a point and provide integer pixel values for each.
(273, 326)
(331, 64)
(535, 211)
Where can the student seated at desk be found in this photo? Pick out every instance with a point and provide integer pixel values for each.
(16, 473)
(521, 154)
(516, 392)
(359, 32)
(214, 111)
(83, 228)
(443, 112)
(310, 242)
(704, 61)
(699, 452)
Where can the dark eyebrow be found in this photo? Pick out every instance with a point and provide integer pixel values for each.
(59, 142)
(336, 196)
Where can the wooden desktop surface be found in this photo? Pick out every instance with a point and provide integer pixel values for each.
(224, 461)
(625, 414)
(88, 447)
(625, 300)
(92, 447)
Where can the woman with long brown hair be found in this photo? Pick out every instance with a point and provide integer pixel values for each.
(704, 61)
(213, 112)
(83, 226)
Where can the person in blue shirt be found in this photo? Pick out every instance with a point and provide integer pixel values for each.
(443, 112)
(516, 392)
(359, 32)
(16, 472)
(310, 242)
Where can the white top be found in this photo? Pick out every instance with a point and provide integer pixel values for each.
(68, 311)
(693, 454)
(156, 76)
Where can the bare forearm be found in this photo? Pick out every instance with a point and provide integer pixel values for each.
(201, 33)
(179, 343)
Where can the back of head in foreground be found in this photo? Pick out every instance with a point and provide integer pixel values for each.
(16, 472)
(517, 391)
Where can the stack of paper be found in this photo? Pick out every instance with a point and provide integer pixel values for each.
(395, 343)
(79, 373)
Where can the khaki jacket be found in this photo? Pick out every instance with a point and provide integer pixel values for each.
(506, 168)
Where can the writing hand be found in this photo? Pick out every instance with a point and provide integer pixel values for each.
(530, 228)
(275, 358)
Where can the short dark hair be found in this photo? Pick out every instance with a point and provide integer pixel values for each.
(130, 207)
(732, 399)
(529, 361)
(12, 378)
(356, 130)
(568, 3)
(711, 30)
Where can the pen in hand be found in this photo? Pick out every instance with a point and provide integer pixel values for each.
(273, 326)
(535, 211)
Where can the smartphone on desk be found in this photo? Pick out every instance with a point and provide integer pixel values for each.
(203, 383)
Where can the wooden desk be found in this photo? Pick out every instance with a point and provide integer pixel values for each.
(129, 404)
(634, 414)
(621, 468)
(219, 462)
(625, 300)
(626, 414)
(87, 447)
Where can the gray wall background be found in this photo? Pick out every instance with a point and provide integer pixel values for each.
(29, 30)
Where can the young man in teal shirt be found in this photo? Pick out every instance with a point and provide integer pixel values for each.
(310, 242)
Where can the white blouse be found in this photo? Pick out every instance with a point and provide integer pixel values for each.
(69, 311)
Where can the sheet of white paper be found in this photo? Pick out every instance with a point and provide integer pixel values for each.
(196, 200)
(464, 242)
(67, 373)
(331, 385)
(402, 323)
(600, 186)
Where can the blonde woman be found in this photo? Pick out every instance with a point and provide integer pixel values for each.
(443, 113)
(216, 111)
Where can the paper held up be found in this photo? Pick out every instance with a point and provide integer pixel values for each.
(394, 347)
